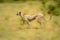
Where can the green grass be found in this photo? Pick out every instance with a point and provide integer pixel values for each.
(11, 27)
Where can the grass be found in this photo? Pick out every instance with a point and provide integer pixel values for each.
(11, 27)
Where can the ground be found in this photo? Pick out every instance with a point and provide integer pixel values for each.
(12, 28)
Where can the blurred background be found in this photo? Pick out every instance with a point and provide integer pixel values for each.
(12, 27)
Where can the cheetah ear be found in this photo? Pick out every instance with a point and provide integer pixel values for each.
(19, 13)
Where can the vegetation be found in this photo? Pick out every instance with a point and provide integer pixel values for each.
(12, 27)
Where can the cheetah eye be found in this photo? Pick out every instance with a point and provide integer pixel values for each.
(17, 14)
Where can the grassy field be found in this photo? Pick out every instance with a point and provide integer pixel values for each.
(12, 28)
